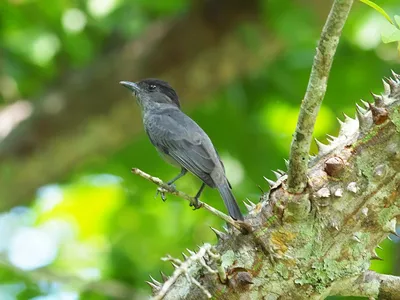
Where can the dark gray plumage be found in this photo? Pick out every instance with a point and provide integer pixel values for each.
(180, 140)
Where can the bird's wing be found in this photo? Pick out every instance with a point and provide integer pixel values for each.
(179, 137)
(223, 167)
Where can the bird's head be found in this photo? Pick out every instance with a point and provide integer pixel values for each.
(151, 91)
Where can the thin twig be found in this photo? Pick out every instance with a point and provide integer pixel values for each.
(299, 151)
(168, 189)
(182, 268)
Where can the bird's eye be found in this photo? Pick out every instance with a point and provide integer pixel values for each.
(152, 87)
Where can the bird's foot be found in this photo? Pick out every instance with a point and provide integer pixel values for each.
(196, 204)
(162, 191)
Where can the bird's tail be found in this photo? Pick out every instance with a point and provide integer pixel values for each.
(230, 202)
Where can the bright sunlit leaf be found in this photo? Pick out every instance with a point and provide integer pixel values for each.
(393, 35)
(367, 34)
(73, 20)
(44, 48)
(101, 8)
(89, 203)
(378, 9)
(397, 20)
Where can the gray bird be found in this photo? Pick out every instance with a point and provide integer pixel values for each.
(179, 139)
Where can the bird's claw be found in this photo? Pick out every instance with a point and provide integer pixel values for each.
(162, 191)
(195, 204)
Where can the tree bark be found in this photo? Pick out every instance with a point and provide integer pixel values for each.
(317, 243)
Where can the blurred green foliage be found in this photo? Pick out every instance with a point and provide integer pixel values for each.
(105, 223)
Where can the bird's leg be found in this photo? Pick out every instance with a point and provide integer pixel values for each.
(196, 204)
(182, 173)
(170, 183)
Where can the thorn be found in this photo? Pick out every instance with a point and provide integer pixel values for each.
(347, 119)
(389, 238)
(334, 225)
(277, 175)
(270, 182)
(262, 191)
(334, 166)
(392, 83)
(356, 238)
(362, 117)
(248, 206)
(374, 256)
(352, 187)
(286, 163)
(378, 99)
(281, 172)
(220, 235)
(361, 109)
(184, 256)
(323, 193)
(340, 121)
(330, 138)
(379, 114)
(338, 192)
(390, 227)
(395, 75)
(163, 276)
(226, 229)
(395, 234)
(386, 87)
(364, 211)
(190, 251)
(380, 171)
(155, 281)
(174, 265)
(379, 247)
(154, 287)
(251, 203)
(366, 104)
(321, 147)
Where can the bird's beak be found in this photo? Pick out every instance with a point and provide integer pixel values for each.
(131, 86)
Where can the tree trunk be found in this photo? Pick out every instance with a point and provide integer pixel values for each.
(319, 242)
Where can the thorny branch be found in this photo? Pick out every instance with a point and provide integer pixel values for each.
(370, 284)
(325, 237)
(322, 240)
(165, 188)
(182, 268)
(299, 151)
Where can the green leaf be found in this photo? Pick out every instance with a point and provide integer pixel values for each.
(378, 9)
(392, 35)
(397, 20)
